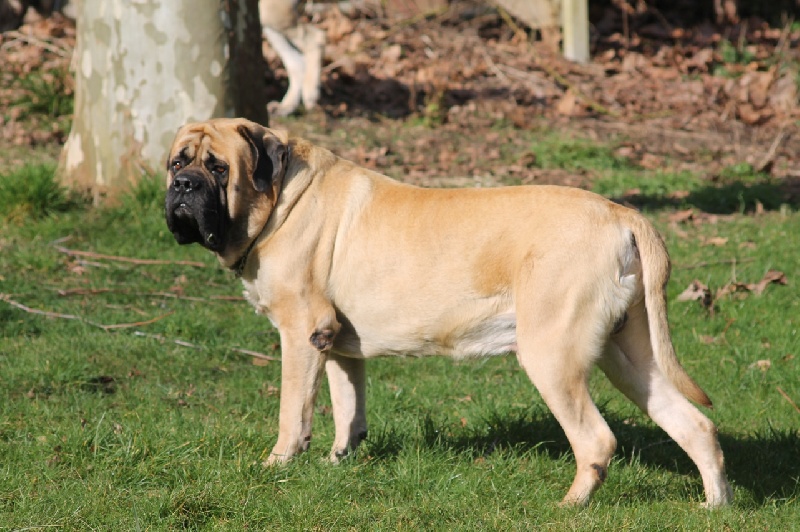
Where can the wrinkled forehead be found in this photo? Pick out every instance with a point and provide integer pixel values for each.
(205, 139)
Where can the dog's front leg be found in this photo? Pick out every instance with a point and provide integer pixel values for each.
(308, 329)
(301, 373)
(348, 397)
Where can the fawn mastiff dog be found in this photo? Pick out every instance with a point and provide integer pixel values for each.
(349, 264)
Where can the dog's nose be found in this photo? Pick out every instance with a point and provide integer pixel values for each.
(185, 183)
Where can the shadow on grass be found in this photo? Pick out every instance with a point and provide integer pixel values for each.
(729, 198)
(356, 94)
(362, 94)
(765, 464)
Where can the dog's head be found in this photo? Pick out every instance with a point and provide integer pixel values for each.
(223, 179)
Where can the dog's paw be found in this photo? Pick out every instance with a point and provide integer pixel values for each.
(280, 109)
(310, 98)
(337, 455)
(719, 500)
(274, 460)
(343, 450)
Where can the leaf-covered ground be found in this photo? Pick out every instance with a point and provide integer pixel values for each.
(682, 92)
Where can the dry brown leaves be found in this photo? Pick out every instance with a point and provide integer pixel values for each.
(661, 79)
(698, 291)
(680, 89)
(36, 49)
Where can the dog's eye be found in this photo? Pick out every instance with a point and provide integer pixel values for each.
(176, 165)
(219, 169)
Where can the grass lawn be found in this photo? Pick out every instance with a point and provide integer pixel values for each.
(136, 405)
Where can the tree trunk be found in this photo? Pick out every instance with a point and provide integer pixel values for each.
(142, 69)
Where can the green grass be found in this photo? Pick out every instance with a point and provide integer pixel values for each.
(575, 154)
(737, 189)
(124, 429)
(47, 93)
(31, 192)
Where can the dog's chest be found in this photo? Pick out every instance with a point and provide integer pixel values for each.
(258, 299)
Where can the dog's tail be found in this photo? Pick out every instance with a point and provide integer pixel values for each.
(656, 270)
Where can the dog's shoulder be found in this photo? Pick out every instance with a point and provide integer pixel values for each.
(311, 155)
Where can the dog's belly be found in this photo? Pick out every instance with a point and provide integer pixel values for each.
(492, 335)
(495, 336)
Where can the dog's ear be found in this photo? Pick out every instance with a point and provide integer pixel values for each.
(269, 154)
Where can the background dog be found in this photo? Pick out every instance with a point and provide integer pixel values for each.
(300, 47)
(12, 12)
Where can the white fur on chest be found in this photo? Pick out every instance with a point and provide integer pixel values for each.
(258, 298)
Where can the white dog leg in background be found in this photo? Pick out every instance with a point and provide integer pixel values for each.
(295, 65)
(301, 49)
(311, 42)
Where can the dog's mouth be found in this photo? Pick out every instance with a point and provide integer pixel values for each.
(182, 211)
(184, 225)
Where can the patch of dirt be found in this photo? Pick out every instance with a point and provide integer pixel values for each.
(666, 88)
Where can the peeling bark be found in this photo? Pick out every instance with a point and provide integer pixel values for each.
(145, 67)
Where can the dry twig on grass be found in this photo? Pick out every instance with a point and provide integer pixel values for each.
(786, 396)
(69, 292)
(183, 343)
(58, 315)
(713, 263)
(769, 157)
(129, 260)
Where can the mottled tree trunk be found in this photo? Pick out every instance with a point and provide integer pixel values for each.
(145, 67)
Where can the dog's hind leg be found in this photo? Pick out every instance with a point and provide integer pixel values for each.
(295, 64)
(629, 364)
(311, 43)
(557, 344)
(301, 48)
(346, 379)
